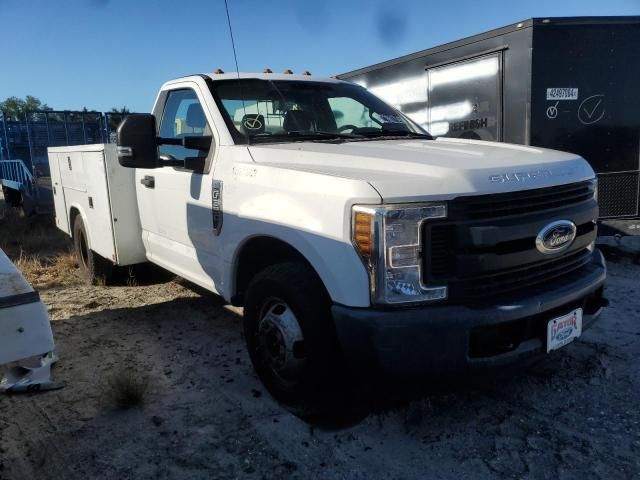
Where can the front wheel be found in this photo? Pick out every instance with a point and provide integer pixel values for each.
(291, 338)
(96, 269)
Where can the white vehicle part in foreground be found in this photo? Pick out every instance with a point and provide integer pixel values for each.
(24, 323)
(25, 333)
(29, 375)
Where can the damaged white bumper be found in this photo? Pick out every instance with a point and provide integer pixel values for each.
(26, 340)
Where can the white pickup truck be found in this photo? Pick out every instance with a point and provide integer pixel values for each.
(349, 235)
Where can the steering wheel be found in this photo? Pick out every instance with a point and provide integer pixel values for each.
(347, 127)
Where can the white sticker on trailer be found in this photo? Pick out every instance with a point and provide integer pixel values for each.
(562, 93)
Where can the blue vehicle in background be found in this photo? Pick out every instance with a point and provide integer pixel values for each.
(24, 166)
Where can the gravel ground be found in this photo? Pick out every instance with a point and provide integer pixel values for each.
(573, 415)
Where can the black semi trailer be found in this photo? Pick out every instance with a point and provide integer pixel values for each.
(570, 84)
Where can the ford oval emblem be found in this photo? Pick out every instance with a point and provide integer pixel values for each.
(556, 237)
(564, 333)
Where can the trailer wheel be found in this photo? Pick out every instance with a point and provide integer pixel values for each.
(12, 197)
(96, 269)
(291, 338)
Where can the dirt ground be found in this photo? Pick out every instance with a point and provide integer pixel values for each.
(573, 415)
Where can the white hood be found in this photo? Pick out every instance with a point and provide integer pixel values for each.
(412, 170)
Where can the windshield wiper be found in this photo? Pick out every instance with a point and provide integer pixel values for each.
(303, 136)
(386, 134)
(321, 136)
(335, 135)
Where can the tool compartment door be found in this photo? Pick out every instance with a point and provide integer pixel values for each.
(125, 216)
(96, 204)
(61, 212)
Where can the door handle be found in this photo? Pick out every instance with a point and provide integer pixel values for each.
(148, 181)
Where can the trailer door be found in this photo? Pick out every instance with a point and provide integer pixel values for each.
(465, 98)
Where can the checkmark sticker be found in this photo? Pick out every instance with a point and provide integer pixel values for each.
(590, 113)
(591, 109)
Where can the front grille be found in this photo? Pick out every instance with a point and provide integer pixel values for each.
(486, 248)
(520, 278)
(526, 201)
(440, 253)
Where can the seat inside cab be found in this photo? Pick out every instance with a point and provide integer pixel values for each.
(194, 123)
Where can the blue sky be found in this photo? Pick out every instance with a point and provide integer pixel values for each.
(107, 53)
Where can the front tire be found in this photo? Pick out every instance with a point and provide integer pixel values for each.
(96, 269)
(291, 337)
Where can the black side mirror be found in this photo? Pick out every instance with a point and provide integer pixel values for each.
(137, 145)
(194, 163)
(197, 143)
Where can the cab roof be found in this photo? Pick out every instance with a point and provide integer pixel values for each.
(270, 76)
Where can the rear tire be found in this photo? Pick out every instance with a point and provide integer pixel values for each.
(291, 338)
(96, 269)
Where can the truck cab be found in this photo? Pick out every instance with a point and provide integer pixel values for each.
(350, 236)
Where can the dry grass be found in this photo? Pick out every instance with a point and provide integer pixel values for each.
(38, 249)
(48, 272)
(20, 233)
(34, 235)
(127, 388)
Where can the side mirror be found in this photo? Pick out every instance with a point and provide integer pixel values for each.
(195, 163)
(197, 143)
(137, 145)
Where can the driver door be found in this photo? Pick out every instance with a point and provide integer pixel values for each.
(178, 223)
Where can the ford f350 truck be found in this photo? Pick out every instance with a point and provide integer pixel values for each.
(348, 234)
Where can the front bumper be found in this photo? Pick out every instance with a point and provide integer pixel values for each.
(440, 339)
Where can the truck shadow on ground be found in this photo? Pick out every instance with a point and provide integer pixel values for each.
(197, 343)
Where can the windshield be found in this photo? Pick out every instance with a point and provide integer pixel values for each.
(289, 110)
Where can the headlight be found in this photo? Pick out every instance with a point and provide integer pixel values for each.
(594, 187)
(388, 240)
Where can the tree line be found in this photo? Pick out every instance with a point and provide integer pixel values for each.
(15, 108)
